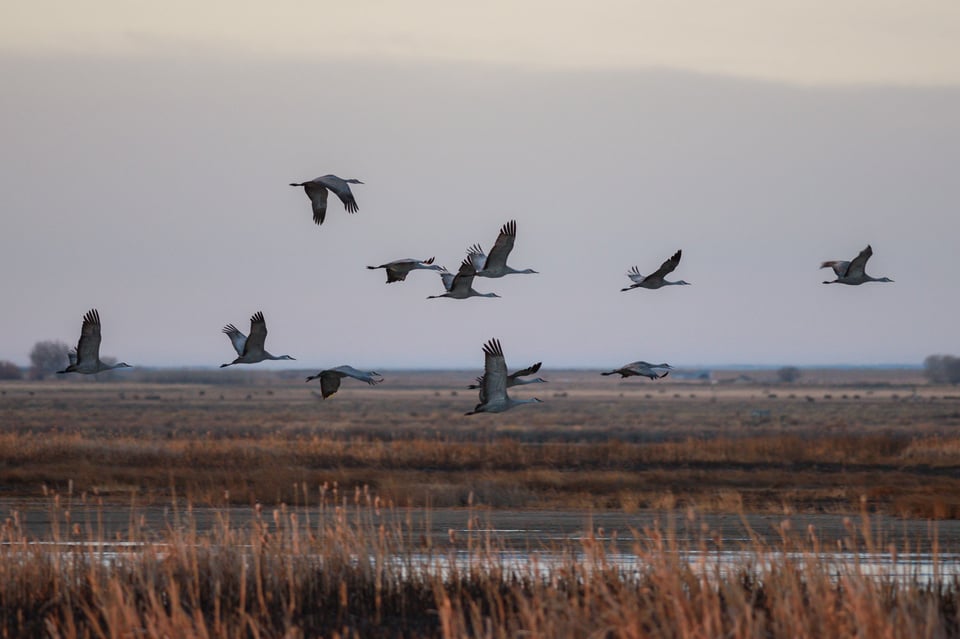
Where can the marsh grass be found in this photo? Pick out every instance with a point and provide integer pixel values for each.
(353, 566)
(907, 476)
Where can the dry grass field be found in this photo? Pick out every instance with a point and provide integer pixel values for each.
(739, 443)
(243, 505)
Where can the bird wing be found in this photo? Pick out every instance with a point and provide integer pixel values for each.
(364, 376)
(237, 338)
(667, 267)
(477, 257)
(88, 347)
(529, 370)
(494, 372)
(396, 273)
(502, 247)
(635, 275)
(258, 334)
(859, 263)
(329, 382)
(463, 280)
(447, 278)
(318, 198)
(839, 267)
(342, 189)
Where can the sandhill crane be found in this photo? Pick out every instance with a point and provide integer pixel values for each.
(317, 188)
(330, 378)
(493, 391)
(655, 280)
(644, 369)
(495, 264)
(852, 272)
(516, 379)
(398, 270)
(250, 349)
(86, 358)
(460, 286)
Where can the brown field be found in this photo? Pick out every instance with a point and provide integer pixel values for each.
(242, 505)
(820, 445)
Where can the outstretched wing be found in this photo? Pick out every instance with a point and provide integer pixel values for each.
(88, 347)
(237, 338)
(369, 377)
(463, 280)
(859, 263)
(477, 257)
(530, 370)
(502, 247)
(318, 198)
(329, 382)
(494, 372)
(635, 275)
(839, 267)
(258, 334)
(667, 267)
(342, 189)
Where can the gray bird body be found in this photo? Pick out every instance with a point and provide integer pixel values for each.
(493, 391)
(642, 369)
(494, 264)
(656, 279)
(85, 359)
(460, 286)
(514, 379)
(330, 378)
(316, 189)
(250, 350)
(398, 270)
(853, 272)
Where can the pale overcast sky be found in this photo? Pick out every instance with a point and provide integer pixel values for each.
(147, 149)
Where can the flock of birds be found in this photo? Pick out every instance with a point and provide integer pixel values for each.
(493, 384)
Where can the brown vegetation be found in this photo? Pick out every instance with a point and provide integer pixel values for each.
(352, 568)
(593, 444)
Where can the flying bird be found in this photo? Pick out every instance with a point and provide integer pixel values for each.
(656, 279)
(330, 378)
(493, 390)
(317, 188)
(852, 272)
(460, 286)
(641, 368)
(515, 379)
(398, 270)
(85, 358)
(495, 264)
(250, 350)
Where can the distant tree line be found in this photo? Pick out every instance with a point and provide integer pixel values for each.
(942, 369)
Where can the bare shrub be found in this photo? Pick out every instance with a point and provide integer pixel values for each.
(942, 369)
(46, 357)
(788, 374)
